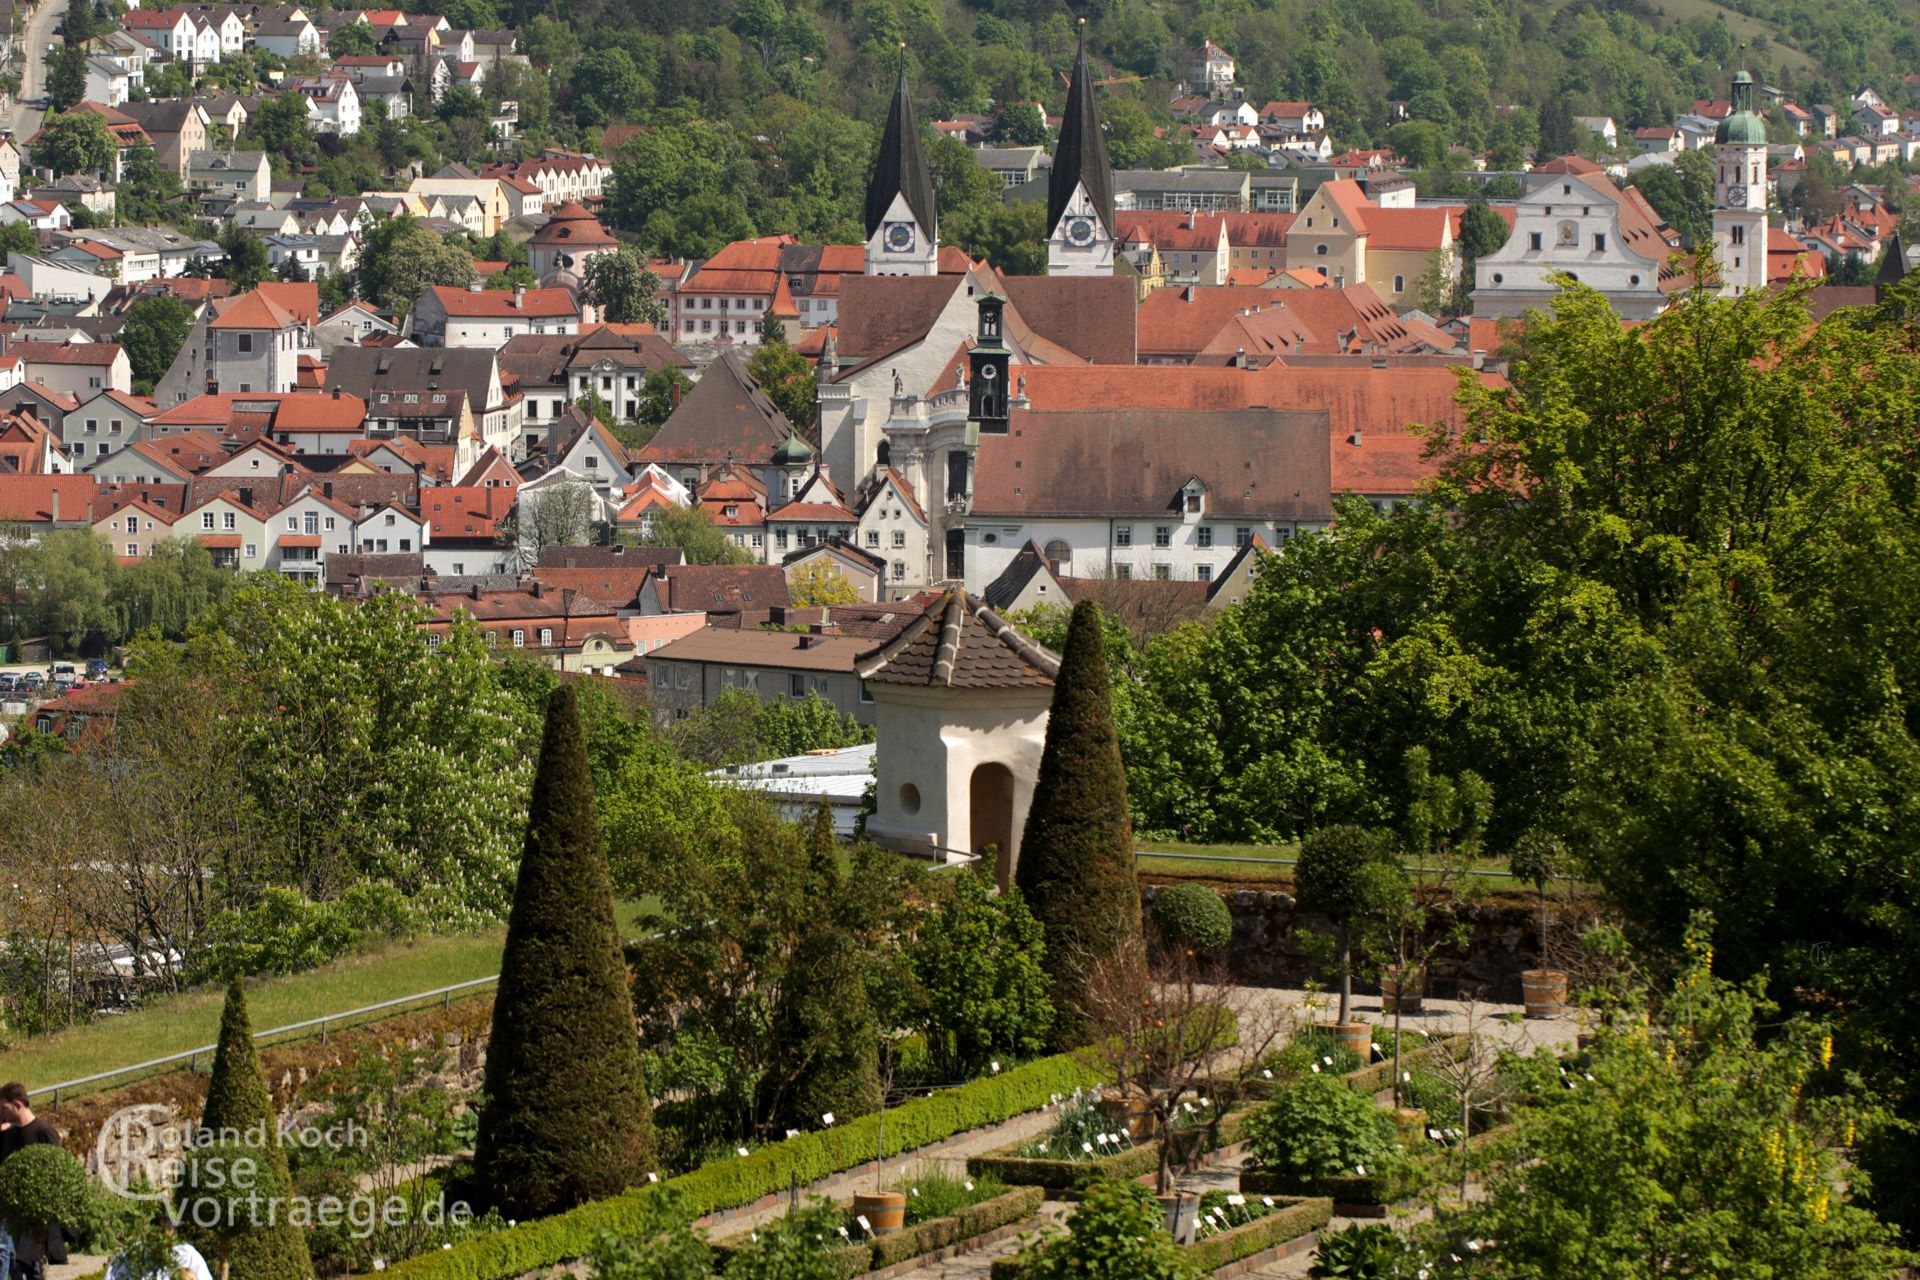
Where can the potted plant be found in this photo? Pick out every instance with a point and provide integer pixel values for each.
(1334, 877)
(1538, 857)
(41, 1186)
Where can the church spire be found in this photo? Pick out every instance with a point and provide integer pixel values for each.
(1080, 157)
(901, 218)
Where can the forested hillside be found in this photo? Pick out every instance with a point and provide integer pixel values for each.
(761, 112)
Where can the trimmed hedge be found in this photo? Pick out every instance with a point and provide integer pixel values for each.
(1411, 1178)
(1135, 1162)
(974, 1220)
(936, 1233)
(1370, 1079)
(1288, 1222)
(727, 1184)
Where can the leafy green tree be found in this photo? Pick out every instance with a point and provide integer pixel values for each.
(77, 142)
(240, 1110)
(660, 394)
(1682, 194)
(1703, 1146)
(959, 181)
(1020, 124)
(788, 379)
(74, 574)
(621, 285)
(169, 588)
(979, 961)
(400, 259)
(1076, 856)
(1011, 237)
(1481, 232)
(66, 79)
(19, 237)
(247, 262)
(606, 85)
(698, 537)
(826, 1045)
(356, 733)
(1117, 1232)
(794, 726)
(282, 126)
(156, 328)
(819, 584)
(1421, 143)
(353, 39)
(1333, 878)
(567, 1117)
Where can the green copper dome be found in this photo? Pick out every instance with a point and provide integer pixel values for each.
(793, 452)
(1741, 128)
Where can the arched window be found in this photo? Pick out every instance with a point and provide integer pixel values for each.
(1059, 552)
(546, 637)
(1320, 249)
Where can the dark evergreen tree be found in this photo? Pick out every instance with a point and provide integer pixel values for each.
(823, 846)
(567, 1117)
(825, 1046)
(1076, 857)
(240, 1106)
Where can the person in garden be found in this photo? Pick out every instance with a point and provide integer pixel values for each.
(20, 1127)
(161, 1255)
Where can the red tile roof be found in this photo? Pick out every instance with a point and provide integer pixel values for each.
(506, 304)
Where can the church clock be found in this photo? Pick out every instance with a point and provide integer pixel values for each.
(898, 237)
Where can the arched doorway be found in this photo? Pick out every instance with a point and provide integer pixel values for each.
(990, 809)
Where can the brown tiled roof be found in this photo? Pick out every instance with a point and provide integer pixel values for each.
(879, 314)
(778, 649)
(606, 557)
(959, 643)
(615, 587)
(1261, 463)
(1091, 316)
(720, 588)
(724, 415)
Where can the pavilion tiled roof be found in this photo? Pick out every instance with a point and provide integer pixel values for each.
(960, 643)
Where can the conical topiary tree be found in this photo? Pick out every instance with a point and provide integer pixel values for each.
(1076, 856)
(566, 1118)
(239, 1112)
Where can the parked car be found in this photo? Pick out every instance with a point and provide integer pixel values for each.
(96, 668)
(11, 682)
(34, 679)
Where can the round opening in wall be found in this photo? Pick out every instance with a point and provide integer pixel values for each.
(910, 797)
(1633, 279)
(1498, 278)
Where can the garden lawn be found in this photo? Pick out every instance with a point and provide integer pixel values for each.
(175, 1024)
(1243, 864)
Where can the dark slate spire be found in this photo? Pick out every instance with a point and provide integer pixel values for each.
(1080, 157)
(901, 167)
(1893, 264)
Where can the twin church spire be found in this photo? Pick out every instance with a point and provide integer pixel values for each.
(902, 220)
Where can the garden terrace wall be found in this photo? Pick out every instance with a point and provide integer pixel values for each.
(909, 1245)
(1286, 1223)
(731, 1183)
(1135, 1162)
(1380, 1189)
(1270, 936)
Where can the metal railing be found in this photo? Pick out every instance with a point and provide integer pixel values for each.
(309, 1027)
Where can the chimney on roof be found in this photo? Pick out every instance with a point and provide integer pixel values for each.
(1479, 359)
(326, 488)
(536, 588)
(54, 514)
(1355, 437)
(474, 591)
(676, 395)
(519, 296)
(475, 287)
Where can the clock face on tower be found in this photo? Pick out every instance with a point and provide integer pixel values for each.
(898, 237)
(1079, 232)
(1736, 195)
